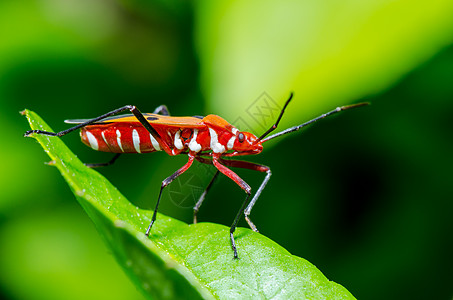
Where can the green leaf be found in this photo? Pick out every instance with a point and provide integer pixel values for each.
(185, 261)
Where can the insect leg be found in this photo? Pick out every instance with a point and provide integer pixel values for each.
(161, 110)
(234, 225)
(255, 167)
(239, 181)
(202, 197)
(131, 108)
(110, 162)
(166, 182)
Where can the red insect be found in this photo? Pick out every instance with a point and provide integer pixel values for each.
(207, 139)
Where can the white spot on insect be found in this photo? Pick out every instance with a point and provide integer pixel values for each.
(92, 140)
(118, 140)
(215, 145)
(230, 143)
(136, 140)
(193, 145)
(234, 130)
(177, 141)
(154, 142)
(103, 137)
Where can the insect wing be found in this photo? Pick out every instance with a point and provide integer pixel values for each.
(181, 122)
(113, 119)
(218, 122)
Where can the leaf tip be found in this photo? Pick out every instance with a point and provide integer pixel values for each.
(119, 223)
(51, 163)
(28, 133)
(80, 192)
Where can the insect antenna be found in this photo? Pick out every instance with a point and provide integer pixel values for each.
(273, 127)
(298, 127)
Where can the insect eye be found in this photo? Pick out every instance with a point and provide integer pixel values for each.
(241, 137)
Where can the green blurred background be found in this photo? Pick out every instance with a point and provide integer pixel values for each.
(365, 196)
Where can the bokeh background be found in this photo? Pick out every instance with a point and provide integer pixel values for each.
(366, 196)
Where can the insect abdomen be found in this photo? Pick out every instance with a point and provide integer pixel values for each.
(119, 138)
(131, 138)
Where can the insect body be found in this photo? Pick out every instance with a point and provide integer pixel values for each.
(125, 134)
(207, 139)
